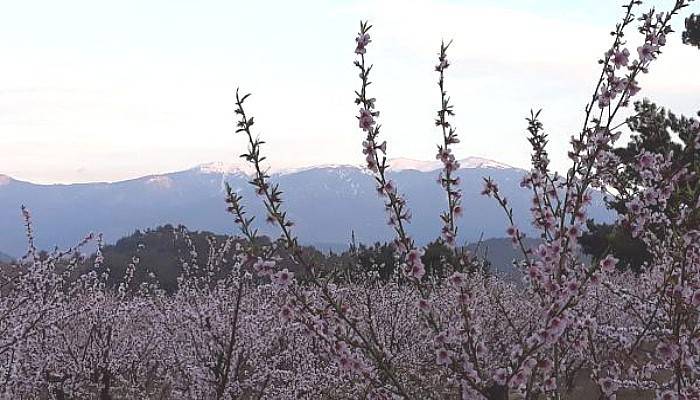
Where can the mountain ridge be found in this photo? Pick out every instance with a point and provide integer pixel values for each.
(326, 203)
(240, 167)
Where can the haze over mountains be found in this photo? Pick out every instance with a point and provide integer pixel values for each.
(4, 258)
(326, 202)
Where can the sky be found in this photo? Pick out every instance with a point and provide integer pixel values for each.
(105, 91)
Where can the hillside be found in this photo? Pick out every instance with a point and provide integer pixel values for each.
(161, 250)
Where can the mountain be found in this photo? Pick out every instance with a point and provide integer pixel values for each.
(401, 164)
(501, 253)
(326, 203)
(4, 258)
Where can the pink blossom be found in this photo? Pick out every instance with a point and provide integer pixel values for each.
(490, 188)
(416, 268)
(574, 232)
(608, 386)
(442, 357)
(389, 187)
(458, 279)
(621, 58)
(444, 155)
(283, 278)
(667, 395)
(633, 88)
(264, 267)
(442, 65)
(286, 314)
(608, 263)
(423, 305)
(667, 351)
(646, 160)
(345, 362)
(534, 273)
(368, 148)
(448, 237)
(362, 41)
(646, 52)
(550, 384)
(661, 40)
(605, 96)
(572, 287)
(463, 298)
(512, 232)
(414, 256)
(500, 376)
(366, 119)
(618, 85)
(371, 163)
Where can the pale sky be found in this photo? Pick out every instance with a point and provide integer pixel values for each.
(103, 91)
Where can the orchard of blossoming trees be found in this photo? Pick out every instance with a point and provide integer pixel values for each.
(240, 327)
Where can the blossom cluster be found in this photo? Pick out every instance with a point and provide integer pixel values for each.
(449, 163)
(375, 151)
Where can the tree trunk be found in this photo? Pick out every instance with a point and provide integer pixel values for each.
(106, 384)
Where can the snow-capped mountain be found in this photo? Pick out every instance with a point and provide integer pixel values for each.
(326, 203)
(395, 164)
(226, 168)
(4, 180)
(403, 164)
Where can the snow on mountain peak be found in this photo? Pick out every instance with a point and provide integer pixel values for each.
(395, 164)
(402, 164)
(225, 168)
(5, 180)
(285, 171)
(479, 162)
(161, 181)
(228, 168)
